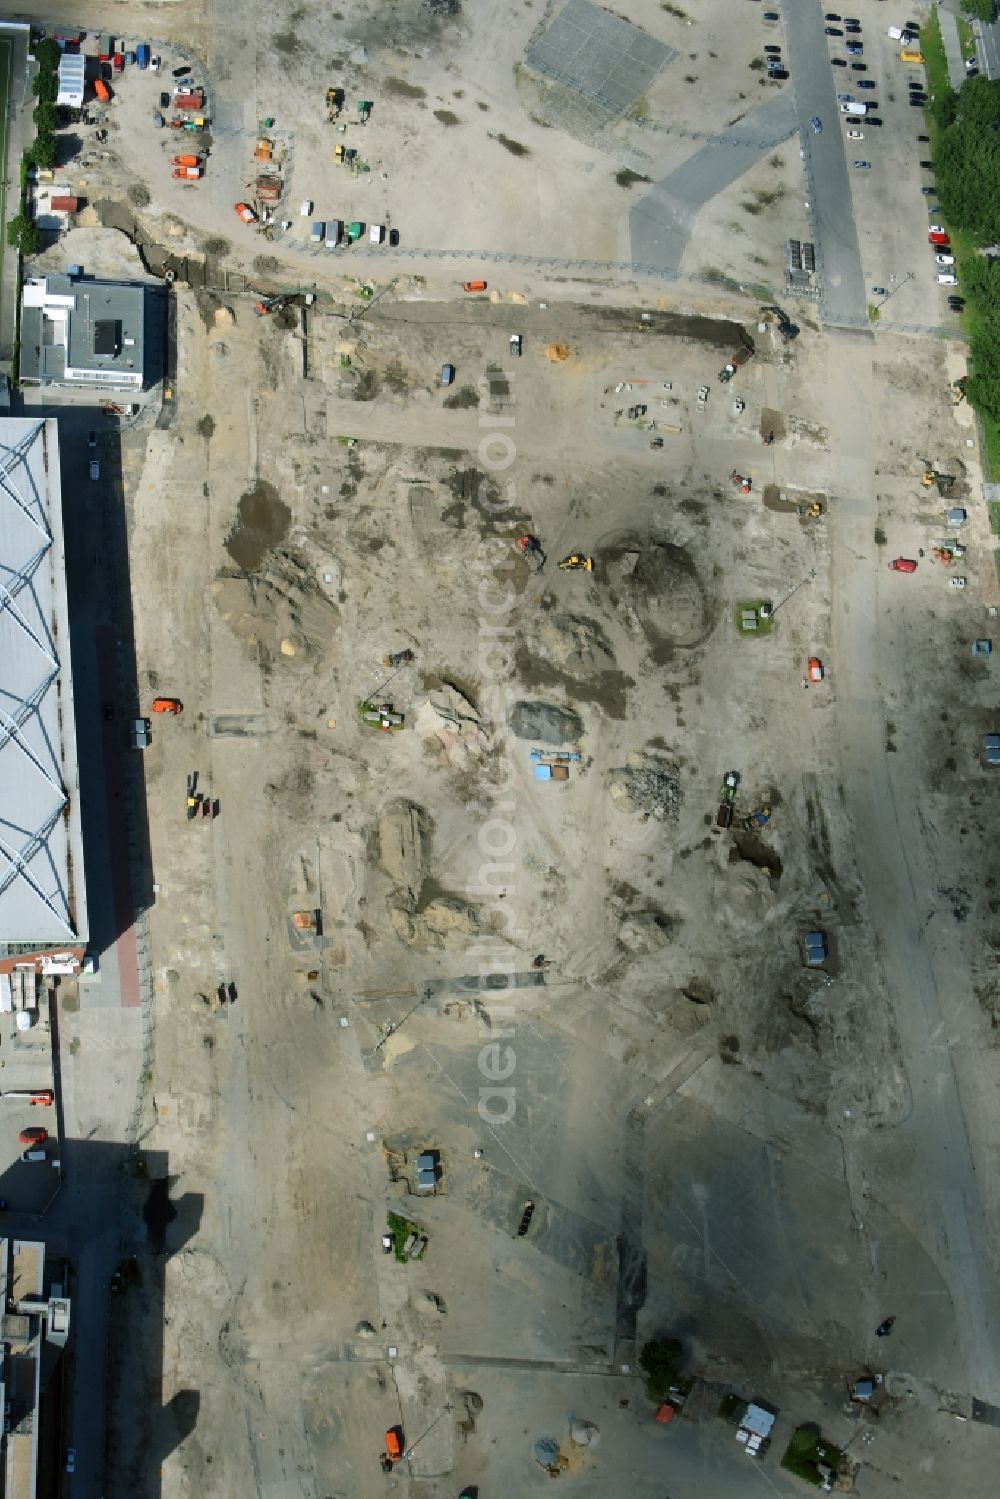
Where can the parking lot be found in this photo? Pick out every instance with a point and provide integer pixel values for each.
(27, 1186)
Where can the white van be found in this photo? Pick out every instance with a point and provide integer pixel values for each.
(33, 1155)
(854, 109)
(376, 233)
(334, 229)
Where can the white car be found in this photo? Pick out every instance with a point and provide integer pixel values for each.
(95, 467)
(71, 1460)
(936, 229)
(305, 208)
(855, 135)
(945, 278)
(154, 64)
(376, 234)
(945, 259)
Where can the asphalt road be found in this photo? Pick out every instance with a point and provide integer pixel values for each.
(927, 1160)
(989, 47)
(835, 235)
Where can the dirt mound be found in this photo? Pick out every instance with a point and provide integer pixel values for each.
(451, 720)
(545, 723)
(404, 838)
(558, 353)
(645, 932)
(436, 926)
(656, 584)
(572, 642)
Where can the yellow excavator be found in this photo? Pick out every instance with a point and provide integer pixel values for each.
(577, 560)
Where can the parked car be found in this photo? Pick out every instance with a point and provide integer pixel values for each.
(859, 67)
(27, 1156)
(956, 304)
(33, 1135)
(902, 565)
(71, 1460)
(814, 947)
(778, 73)
(866, 83)
(394, 237)
(833, 31)
(863, 166)
(945, 259)
(171, 705)
(855, 49)
(447, 374)
(376, 234)
(772, 48)
(817, 124)
(154, 64)
(182, 71)
(855, 135)
(873, 120)
(838, 62)
(880, 291)
(95, 469)
(928, 166)
(945, 278)
(815, 669)
(936, 229)
(991, 748)
(929, 192)
(831, 15)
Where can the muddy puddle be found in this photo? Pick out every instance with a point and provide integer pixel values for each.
(262, 521)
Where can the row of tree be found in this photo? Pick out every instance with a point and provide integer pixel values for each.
(967, 166)
(22, 231)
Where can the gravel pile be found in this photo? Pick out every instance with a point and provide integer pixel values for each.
(652, 790)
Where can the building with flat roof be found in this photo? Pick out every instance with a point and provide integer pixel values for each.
(72, 80)
(43, 902)
(34, 1326)
(77, 332)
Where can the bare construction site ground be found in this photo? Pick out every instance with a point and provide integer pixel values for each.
(694, 1111)
(717, 1143)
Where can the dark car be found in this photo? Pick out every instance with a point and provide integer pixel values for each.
(956, 303)
(859, 67)
(867, 83)
(838, 62)
(927, 164)
(918, 100)
(771, 15)
(772, 48)
(778, 73)
(394, 237)
(831, 15)
(182, 72)
(855, 49)
(164, 101)
(923, 140)
(833, 31)
(873, 120)
(929, 192)
(852, 28)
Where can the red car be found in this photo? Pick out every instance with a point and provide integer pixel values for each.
(34, 1135)
(937, 239)
(902, 565)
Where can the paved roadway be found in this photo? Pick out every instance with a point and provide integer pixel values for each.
(838, 257)
(927, 1160)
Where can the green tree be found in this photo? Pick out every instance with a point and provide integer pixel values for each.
(44, 150)
(23, 234)
(47, 55)
(659, 1361)
(45, 86)
(45, 116)
(981, 9)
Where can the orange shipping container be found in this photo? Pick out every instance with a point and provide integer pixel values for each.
(101, 90)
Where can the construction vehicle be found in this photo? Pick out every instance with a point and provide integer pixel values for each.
(171, 705)
(944, 482)
(957, 388)
(354, 232)
(187, 174)
(191, 160)
(245, 212)
(727, 792)
(576, 560)
(338, 155)
(398, 658)
(364, 111)
(473, 285)
(334, 102)
(270, 304)
(530, 546)
(743, 482)
(263, 150)
(193, 795)
(381, 716)
(757, 819)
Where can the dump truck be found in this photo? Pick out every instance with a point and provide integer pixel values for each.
(186, 174)
(189, 160)
(334, 102)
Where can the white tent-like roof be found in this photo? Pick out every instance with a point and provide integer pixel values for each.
(72, 73)
(42, 893)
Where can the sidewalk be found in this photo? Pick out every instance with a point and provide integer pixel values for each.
(952, 47)
(19, 131)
